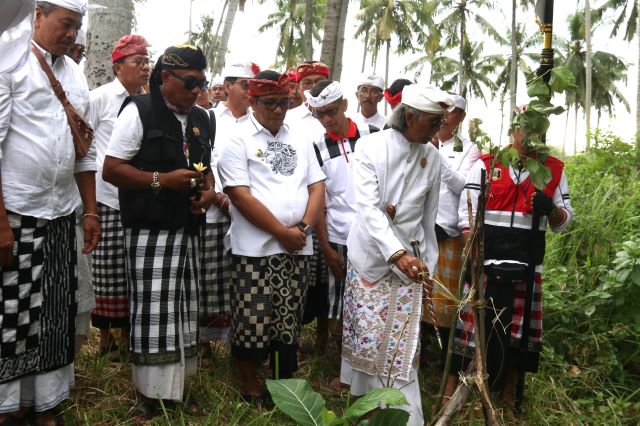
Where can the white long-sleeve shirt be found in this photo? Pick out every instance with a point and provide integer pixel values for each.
(376, 119)
(106, 101)
(452, 184)
(388, 169)
(37, 157)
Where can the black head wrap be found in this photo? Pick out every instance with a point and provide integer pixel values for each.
(184, 57)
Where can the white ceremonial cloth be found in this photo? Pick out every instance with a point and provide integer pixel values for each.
(360, 383)
(106, 101)
(376, 119)
(278, 170)
(16, 29)
(225, 128)
(41, 391)
(388, 169)
(38, 160)
(453, 181)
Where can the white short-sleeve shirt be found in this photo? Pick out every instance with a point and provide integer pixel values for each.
(278, 171)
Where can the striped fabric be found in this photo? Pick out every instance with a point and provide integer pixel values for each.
(162, 267)
(215, 281)
(109, 273)
(448, 274)
(336, 288)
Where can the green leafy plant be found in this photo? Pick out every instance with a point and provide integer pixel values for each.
(295, 398)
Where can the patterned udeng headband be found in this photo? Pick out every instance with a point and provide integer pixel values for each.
(260, 87)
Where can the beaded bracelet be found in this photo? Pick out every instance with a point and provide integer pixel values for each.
(397, 255)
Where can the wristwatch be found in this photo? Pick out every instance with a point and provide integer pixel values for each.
(155, 185)
(307, 229)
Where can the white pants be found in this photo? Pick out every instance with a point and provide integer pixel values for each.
(41, 391)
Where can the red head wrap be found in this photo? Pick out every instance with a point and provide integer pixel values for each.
(259, 87)
(292, 74)
(129, 45)
(304, 70)
(393, 100)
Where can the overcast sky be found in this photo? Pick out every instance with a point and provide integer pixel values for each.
(166, 22)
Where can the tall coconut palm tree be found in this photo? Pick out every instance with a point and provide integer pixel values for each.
(229, 17)
(513, 68)
(205, 38)
(106, 26)
(290, 18)
(478, 72)
(456, 17)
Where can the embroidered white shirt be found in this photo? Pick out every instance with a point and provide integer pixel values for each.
(38, 159)
(278, 171)
(225, 127)
(106, 101)
(452, 183)
(388, 169)
(376, 119)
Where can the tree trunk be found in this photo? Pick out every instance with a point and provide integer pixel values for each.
(513, 82)
(386, 72)
(224, 39)
(215, 40)
(308, 29)
(575, 129)
(190, 17)
(364, 50)
(105, 27)
(333, 41)
(587, 101)
(638, 99)
(460, 61)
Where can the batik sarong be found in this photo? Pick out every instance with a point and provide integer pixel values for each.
(38, 304)
(447, 274)
(267, 298)
(162, 267)
(381, 325)
(215, 280)
(109, 273)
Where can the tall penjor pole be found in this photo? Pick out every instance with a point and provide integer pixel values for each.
(544, 18)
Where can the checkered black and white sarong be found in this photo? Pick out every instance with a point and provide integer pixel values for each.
(267, 298)
(215, 281)
(336, 288)
(162, 268)
(38, 304)
(109, 273)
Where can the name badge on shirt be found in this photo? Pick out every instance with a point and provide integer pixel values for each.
(496, 174)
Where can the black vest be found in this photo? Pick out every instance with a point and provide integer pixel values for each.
(162, 151)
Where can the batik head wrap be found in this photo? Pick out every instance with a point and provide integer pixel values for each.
(184, 57)
(329, 94)
(304, 70)
(265, 87)
(129, 45)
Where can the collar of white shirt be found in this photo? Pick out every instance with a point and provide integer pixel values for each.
(261, 129)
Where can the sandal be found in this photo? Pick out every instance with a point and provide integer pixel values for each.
(143, 412)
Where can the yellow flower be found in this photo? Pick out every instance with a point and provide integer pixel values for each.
(196, 131)
(200, 167)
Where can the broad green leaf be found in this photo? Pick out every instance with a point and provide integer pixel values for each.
(372, 400)
(532, 165)
(545, 107)
(590, 310)
(296, 399)
(329, 417)
(389, 417)
(562, 79)
(622, 275)
(541, 177)
(538, 88)
(635, 277)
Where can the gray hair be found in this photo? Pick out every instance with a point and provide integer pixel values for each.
(397, 118)
(46, 7)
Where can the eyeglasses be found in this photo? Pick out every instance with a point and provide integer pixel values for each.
(363, 91)
(308, 83)
(138, 62)
(190, 82)
(244, 84)
(329, 112)
(272, 104)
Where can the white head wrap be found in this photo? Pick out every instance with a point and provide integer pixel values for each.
(241, 70)
(329, 94)
(427, 99)
(16, 28)
(81, 38)
(460, 102)
(80, 6)
(218, 80)
(371, 80)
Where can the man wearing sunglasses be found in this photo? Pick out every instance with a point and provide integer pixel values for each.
(335, 151)
(131, 69)
(215, 285)
(369, 94)
(276, 189)
(159, 158)
(396, 176)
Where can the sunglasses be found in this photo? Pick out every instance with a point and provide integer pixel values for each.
(190, 82)
(272, 104)
(329, 112)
